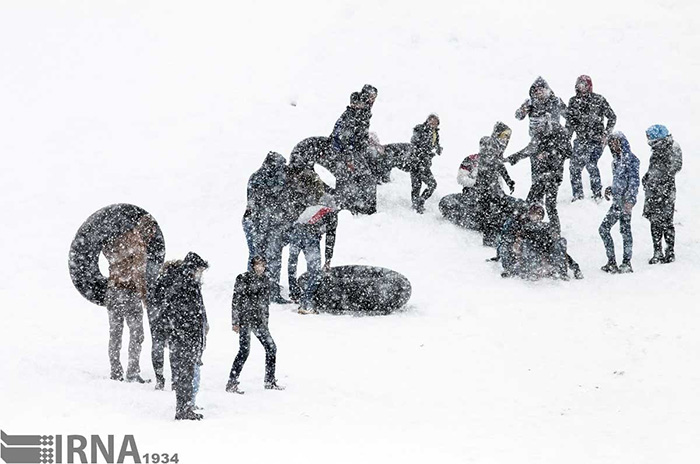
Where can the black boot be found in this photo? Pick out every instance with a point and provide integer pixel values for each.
(611, 267)
(656, 235)
(670, 236)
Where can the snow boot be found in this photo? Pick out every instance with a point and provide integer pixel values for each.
(188, 415)
(610, 268)
(625, 268)
(273, 386)
(136, 378)
(669, 257)
(232, 387)
(657, 258)
(578, 275)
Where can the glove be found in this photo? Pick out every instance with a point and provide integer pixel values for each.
(511, 186)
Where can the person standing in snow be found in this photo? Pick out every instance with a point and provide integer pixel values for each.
(316, 220)
(547, 158)
(426, 144)
(585, 115)
(179, 295)
(660, 191)
(624, 189)
(262, 220)
(493, 204)
(126, 295)
(250, 312)
(543, 108)
(356, 186)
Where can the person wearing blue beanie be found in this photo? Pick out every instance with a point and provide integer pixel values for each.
(660, 191)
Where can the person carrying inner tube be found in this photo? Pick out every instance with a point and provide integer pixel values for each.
(312, 224)
(126, 295)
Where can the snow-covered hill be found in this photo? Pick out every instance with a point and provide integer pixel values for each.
(171, 106)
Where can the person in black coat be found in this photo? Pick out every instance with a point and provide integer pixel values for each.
(547, 158)
(250, 312)
(585, 115)
(178, 293)
(262, 220)
(426, 144)
(493, 204)
(660, 191)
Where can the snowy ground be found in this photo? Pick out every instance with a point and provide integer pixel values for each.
(171, 106)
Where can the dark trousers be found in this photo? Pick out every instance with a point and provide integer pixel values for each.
(183, 359)
(663, 229)
(123, 304)
(420, 176)
(616, 213)
(263, 335)
(546, 187)
(585, 155)
(159, 340)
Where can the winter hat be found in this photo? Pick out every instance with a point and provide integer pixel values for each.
(354, 98)
(367, 92)
(275, 159)
(657, 132)
(499, 128)
(539, 83)
(586, 81)
(194, 261)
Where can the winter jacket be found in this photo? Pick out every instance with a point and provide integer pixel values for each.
(265, 187)
(127, 258)
(426, 143)
(351, 131)
(181, 311)
(491, 166)
(303, 188)
(660, 180)
(547, 159)
(585, 115)
(541, 111)
(625, 173)
(251, 300)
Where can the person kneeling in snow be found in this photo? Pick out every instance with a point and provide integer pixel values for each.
(532, 248)
(624, 196)
(179, 296)
(250, 312)
(306, 235)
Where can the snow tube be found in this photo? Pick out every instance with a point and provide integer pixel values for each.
(101, 227)
(460, 209)
(360, 289)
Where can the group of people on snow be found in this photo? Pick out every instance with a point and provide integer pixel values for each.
(507, 224)
(289, 204)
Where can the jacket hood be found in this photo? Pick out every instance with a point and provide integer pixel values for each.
(539, 83)
(624, 143)
(274, 160)
(194, 261)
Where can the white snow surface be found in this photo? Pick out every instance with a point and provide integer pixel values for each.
(172, 105)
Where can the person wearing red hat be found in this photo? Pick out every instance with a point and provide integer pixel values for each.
(585, 116)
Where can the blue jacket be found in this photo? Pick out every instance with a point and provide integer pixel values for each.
(625, 173)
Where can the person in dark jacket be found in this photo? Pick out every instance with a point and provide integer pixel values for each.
(493, 204)
(426, 143)
(660, 191)
(250, 312)
(544, 109)
(312, 224)
(547, 158)
(585, 115)
(179, 295)
(262, 220)
(624, 189)
(356, 186)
